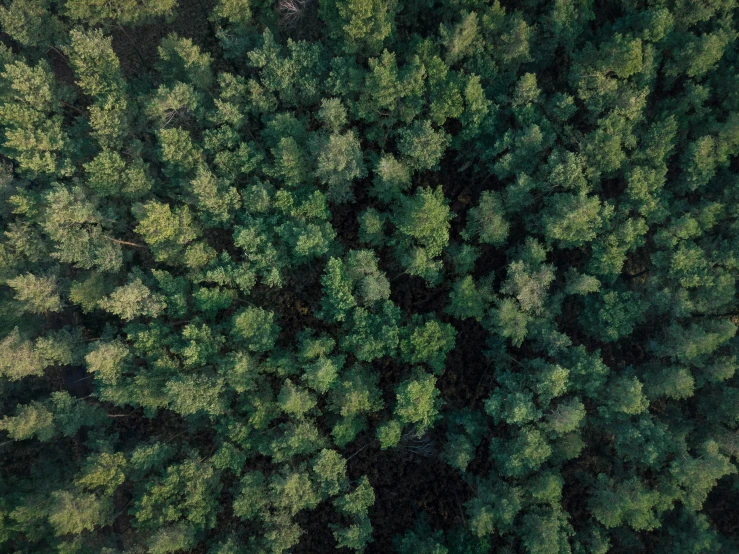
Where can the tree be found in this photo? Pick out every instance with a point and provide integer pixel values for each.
(186, 492)
(571, 220)
(626, 396)
(32, 117)
(95, 63)
(521, 455)
(422, 223)
(357, 536)
(487, 221)
(460, 40)
(339, 162)
(252, 496)
(294, 400)
(427, 342)
(613, 314)
(371, 335)
(293, 492)
(36, 295)
(30, 22)
(181, 60)
(358, 26)
(165, 230)
(357, 502)
(418, 401)
(372, 227)
(546, 532)
(697, 476)
(104, 471)
(121, 12)
(192, 394)
(628, 502)
(371, 284)
(133, 300)
(78, 232)
(70, 414)
(254, 328)
(171, 539)
(355, 396)
(109, 175)
(21, 357)
(392, 178)
(31, 420)
(466, 300)
(337, 296)
(265, 265)
(493, 508)
(421, 146)
(330, 467)
(215, 198)
(74, 513)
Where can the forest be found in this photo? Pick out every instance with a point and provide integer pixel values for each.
(382, 276)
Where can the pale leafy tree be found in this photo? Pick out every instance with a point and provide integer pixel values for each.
(133, 300)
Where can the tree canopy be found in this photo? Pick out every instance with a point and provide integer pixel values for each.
(452, 277)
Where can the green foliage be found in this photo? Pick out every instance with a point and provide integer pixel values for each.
(392, 178)
(422, 147)
(389, 434)
(522, 454)
(122, 12)
(357, 502)
(186, 492)
(422, 223)
(103, 471)
(71, 513)
(427, 342)
(493, 508)
(613, 315)
(133, 300)
(572, 220)
(626, 396)
(254, 328)
(29, 22)
(356, 536)
(418, 401)
(32, 120)
(466, 300)
(252, 495)
(626, 503)
(339, 162)
(31, 420)
(35, 294)
(358, 25)
(421, 541)
(294, 400)
(293, 492)
(167, 232)
(330, 468)
(337, 298)
(287, 276)
(171, 539)
(487, 221)
(181, 60)
(20, 357)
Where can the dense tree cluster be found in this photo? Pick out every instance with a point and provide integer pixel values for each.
(425, 277)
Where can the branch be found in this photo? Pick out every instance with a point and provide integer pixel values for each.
(133, 45)
(75, 108)
(124, 242)
(358, 451)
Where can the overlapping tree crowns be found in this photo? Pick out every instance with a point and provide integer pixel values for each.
(290, 263)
